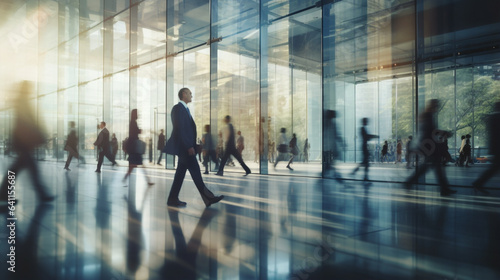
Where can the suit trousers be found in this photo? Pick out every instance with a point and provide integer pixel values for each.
(236, 155)
(188, 163)
(108, 154)
(434, 162)
(71, 153)
(24, 160)
(494, 168)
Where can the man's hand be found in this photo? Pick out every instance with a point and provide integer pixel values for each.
(191, 151)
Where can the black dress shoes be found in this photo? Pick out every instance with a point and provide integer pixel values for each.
(98, 171)
(212, 200)
(246, 174)
(176, 203)
(219, 174)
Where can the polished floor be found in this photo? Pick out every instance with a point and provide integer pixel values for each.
(267, 227)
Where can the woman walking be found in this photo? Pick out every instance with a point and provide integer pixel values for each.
(135, 147)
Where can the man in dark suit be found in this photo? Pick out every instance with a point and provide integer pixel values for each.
(182, 143)
(102, 143)
(231, 150)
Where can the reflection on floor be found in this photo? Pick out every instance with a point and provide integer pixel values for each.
(268, 227)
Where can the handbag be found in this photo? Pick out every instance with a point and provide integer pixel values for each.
(140, 147)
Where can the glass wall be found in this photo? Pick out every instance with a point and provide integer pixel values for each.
(294, 102)
(269, 65)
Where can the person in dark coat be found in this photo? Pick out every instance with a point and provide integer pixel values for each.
(409, 153)
(494, 143)
(399, 151)
(385, 150)
(333, 143)
(429, 148)
(72, 146)
(294, 150)
(365, 137)
(133, 146)
(467, 151)
(182, 143)
(27, 136)
(103, 145)
(160, 145)
(208, 149)
(114, 145)
(231, 150)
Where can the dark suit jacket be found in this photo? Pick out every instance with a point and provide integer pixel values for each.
(183, 133)
(230, 143)
(103, 140)
(72, 140)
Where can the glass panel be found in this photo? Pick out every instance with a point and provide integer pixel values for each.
(91, 54)
(188, 23)
(238, 20)
(295, 91)
(120, 41)
(237, 79)
(151, 105)
(47, 73)
(112, 7)
(151, 31)
(368, 56)
(47, 25)
(68, 64)
(120, 109)
(279, 8)
(90, 112)
(47, 120)
(91, 13)
(68, 20)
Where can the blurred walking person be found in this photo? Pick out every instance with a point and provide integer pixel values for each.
(385, 149)
(240, 143)
(26, 137)
(409, 153)
(104, 147)
(208, 149)
(114, 145)
(365, 137)
(283, 150)
(230, 149)
(333, 143)
(494, 143)
(136, 148)
(399, 151)
(305, 151)
(160, 145)
(430, 137)
(72, 146)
